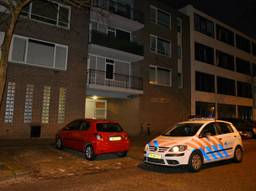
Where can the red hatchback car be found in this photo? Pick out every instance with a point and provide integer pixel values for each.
(94, 137)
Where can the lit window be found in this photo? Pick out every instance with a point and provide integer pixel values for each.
(28, 103)
(61, 108)
(46, 104)
(9, 105)
(160, 76)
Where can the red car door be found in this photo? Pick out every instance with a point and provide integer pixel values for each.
(81, 136)
(73, 130)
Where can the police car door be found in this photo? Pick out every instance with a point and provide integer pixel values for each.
(226, 139)
(208, 137)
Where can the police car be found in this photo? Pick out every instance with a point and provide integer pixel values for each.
(194, 143)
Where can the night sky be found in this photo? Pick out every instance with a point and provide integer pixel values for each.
(240, 14)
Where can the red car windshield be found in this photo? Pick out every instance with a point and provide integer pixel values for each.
(108, 127)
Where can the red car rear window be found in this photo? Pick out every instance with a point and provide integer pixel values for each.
(108, 127)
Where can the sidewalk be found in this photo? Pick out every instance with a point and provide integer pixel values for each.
(38, 158)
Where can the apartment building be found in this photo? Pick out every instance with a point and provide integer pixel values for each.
(222, 67)
(138, 64)
(46, 74)
(121, 60)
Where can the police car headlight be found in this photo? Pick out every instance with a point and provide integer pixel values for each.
(178, 148)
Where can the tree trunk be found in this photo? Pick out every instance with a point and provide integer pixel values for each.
(13, 16)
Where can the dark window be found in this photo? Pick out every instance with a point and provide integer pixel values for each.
(254, 70)
(39, 12)
(244, 89)
(203, 25)
(225, 35)
(245, 112)
(108, 127)
(254, 49)
(185, 129)
(122, 35)
(85, 126)
(109, 69)
(226, 86)
(243, 66)
(226, 111)
(224, 60)
(225, 128)
(163, 18)
(242, 43)
(205, 109)
(74, 125)
(204, 53)
(208, 129)
(204, 82)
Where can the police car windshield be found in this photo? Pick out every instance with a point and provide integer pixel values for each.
(184, 130)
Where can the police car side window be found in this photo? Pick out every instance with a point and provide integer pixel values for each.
(208, 130)
(225, 128)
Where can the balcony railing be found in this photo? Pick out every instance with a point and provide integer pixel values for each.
(99, 77)
(116, 43)
(121, 9)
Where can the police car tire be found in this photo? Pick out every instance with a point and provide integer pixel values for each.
(236, 158)
(59, 144)
(89, 153)
(191, 166)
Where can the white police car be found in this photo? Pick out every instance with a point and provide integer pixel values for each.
(195, 143)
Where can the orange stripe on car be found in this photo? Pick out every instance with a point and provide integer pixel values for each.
(198, 143)
(206, 142)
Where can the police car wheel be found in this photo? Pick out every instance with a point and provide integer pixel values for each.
(238, 154)
(195, 162)
(59, 144)
(89, 153)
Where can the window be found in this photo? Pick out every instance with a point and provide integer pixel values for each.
(244, 89)
(254, 70)
(85, 126)
(225, 60)
(209, 129)
(245, 112)
(204, 53)
(28, 103)
(74, 125)
(225, 128)
(203, 25)
(9, 104)
(160, 76)
(205, 109)
(179, 25)
(204, 82)
(243, 66)
(226, 111)
(242, 43)
(56, 14)
(224, 35)
(160, 17)
(46, 104)
(61, 106)
(253, 48)
(226, 86)
(109, 69)
(111, 32)
(108, 127)
(38, 53)
(160, 46)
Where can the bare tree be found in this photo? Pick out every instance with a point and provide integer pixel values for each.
(12, 9)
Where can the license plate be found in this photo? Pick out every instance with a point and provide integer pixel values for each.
(114, 138)
(154, 156)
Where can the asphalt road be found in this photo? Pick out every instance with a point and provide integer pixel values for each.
(219, 176)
